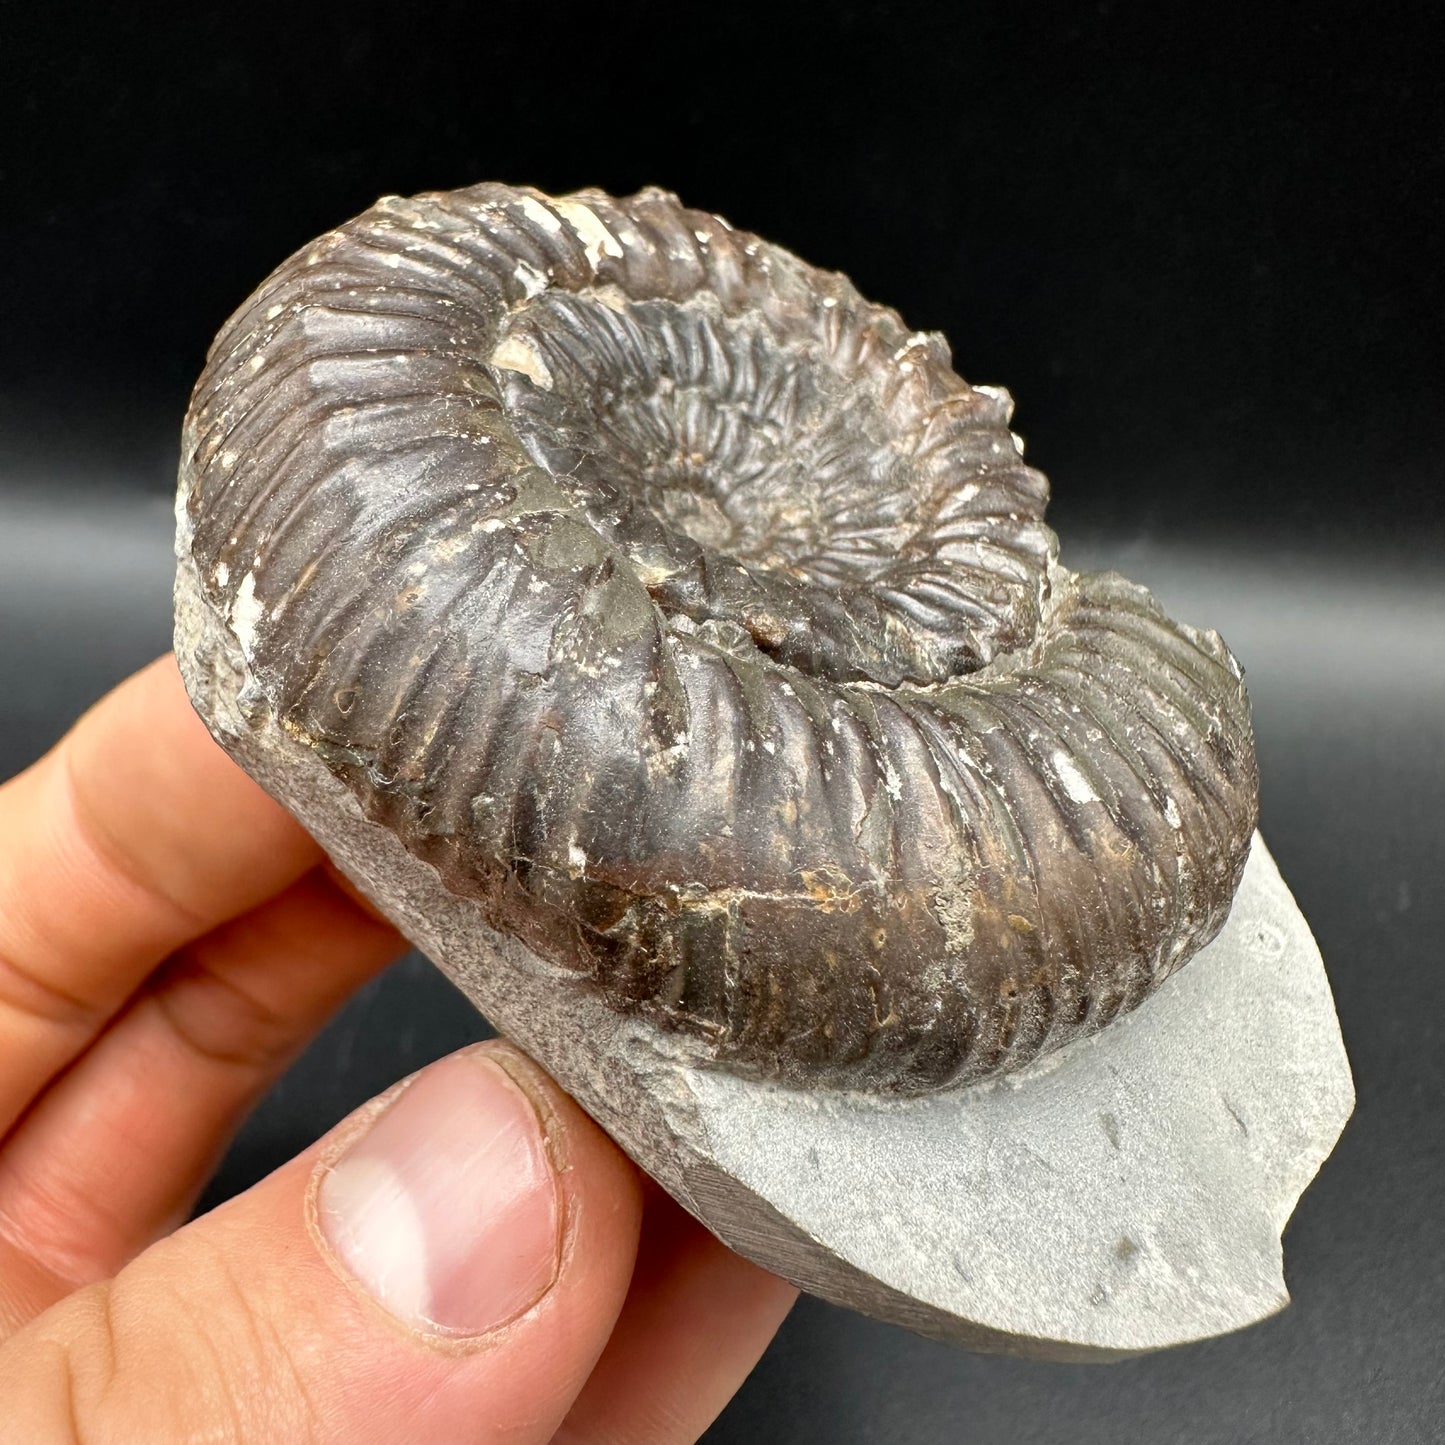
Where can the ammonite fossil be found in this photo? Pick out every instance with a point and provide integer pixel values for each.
(689, 613)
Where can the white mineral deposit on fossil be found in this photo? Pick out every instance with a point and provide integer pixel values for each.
(671, 644)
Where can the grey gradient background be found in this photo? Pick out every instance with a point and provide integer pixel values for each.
(1202, 252)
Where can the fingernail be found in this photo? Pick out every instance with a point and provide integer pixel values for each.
(446, 1209)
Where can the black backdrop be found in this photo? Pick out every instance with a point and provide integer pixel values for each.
(1201, 248)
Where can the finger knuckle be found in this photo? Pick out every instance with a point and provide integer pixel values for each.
(192, 1356)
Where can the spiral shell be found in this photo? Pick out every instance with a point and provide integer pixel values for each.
(688, 612)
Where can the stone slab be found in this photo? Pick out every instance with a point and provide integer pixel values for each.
(1125, 1194)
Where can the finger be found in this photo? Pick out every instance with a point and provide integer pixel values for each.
(468, 1247)
(696, 1321)
(133, 835)
(116, 1149)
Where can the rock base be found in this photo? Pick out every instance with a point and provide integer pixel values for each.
(1125, 1194)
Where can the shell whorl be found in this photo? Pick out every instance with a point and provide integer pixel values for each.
(687, 611)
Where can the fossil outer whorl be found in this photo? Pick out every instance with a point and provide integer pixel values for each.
(692, 615)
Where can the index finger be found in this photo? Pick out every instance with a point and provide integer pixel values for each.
(132, 836)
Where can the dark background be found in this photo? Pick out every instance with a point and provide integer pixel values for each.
(1201, 248)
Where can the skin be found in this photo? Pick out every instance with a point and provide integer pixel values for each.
(169, 941)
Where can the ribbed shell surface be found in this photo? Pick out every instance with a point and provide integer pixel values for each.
(688, 612)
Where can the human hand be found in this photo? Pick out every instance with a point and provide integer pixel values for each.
(467, 1257)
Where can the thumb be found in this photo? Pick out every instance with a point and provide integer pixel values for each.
(446, 1265)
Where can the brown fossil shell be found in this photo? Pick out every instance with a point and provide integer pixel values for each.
(688, 612)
